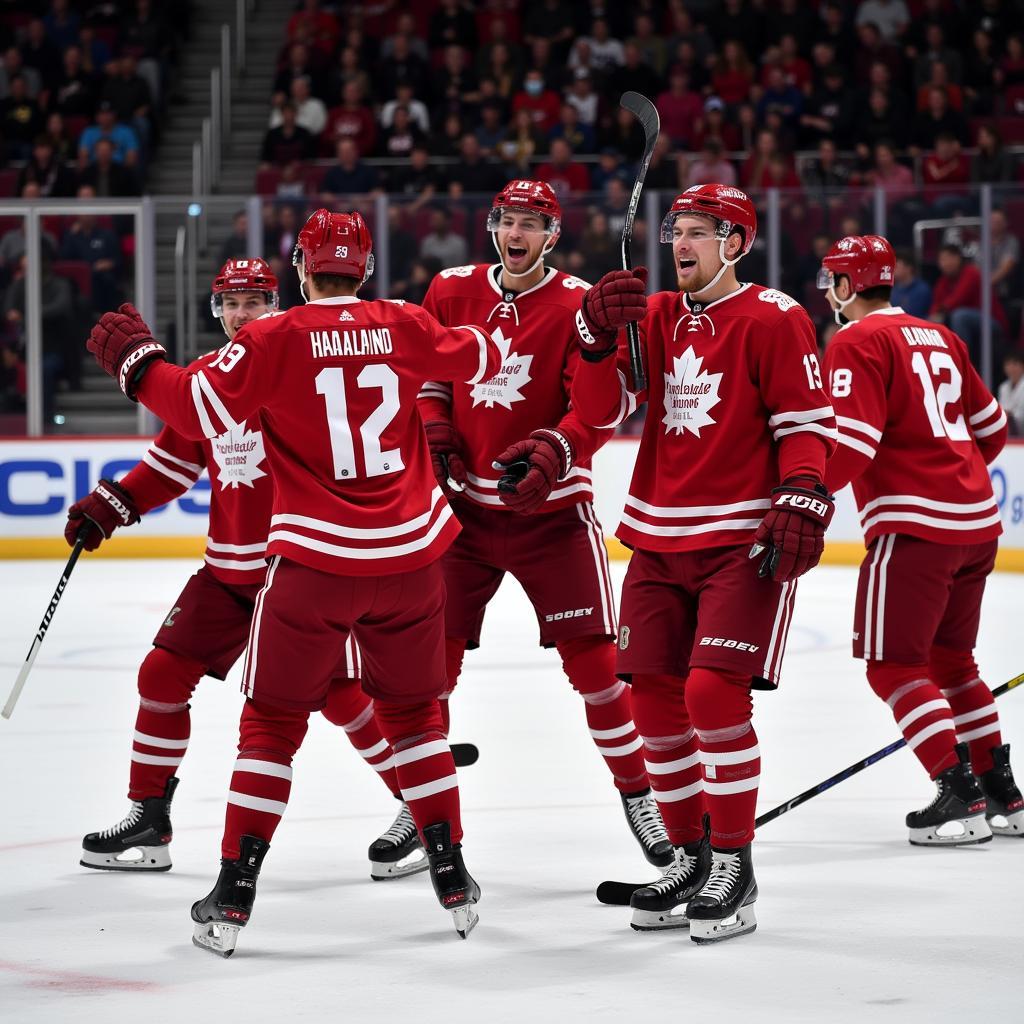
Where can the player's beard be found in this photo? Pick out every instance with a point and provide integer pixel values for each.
(697, 280)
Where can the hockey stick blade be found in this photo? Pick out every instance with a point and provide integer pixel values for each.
(465, 754)
(618, 894)
(37, 640)
(647, 114)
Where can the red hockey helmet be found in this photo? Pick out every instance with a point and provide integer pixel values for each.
(533, 197)
(335, 243)
(867, 260)
(727, 206)
(252, 275)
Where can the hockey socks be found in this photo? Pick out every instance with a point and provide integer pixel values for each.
(922, 713)
(162, 726)
(351, 709)
(974, 708)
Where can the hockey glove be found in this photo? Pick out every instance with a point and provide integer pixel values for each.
(123, 345)
(102, 511)
(446, 447)
(619, 298)
(532, 467)
(792, 534)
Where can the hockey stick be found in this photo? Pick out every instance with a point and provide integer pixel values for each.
(19, 683)
(618, 894)
(647, 114)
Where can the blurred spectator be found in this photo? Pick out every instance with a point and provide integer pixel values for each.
(319, 26)
(455, 83)
(831, 110)
(680, 108)
(938, 78)
(491, 130)
(404, 66)
(38, 52)
(713, 125)
(347, 68)
(598, 246)
(606, 52)
(541, 57)
(106, 178)
(46, 170)
(128, 94)
(733, 74)
(236, 245)
(890, 17)
(550, 20)
(895, 178)
(353, 119)
(423, 271)
(782, 97)
(1005, 257)
(288, 141)
(126, 146)
(910, 292)
(624, 134)
(75, 89)
(62, 24)
(565, 175)
(873, 49)
(398, 140)
(937, 52)
(980, 70)
(452, 25)
(449, 141)
(1011, 67)
(684, 32)
(279, 237)
(879, 123)
(991, 163)
(579, 136)
(956, 300)
(665, 171)
(442, 244)
(95, 52)
(13, 66)
(401, 251)
(609, 165)
(310, 112)
(20, 119)
(738, 20)
(523, 141)
(710, 166)
(501, 69)
(540, 102)
(938, 118)
(12, 243)
(652, 46)
(634, 74)
(405, 29)
(418, 179)
(755, 170)
(405, 97)
(299, 64)
(98, 246)
(942, 171)
(1011, 391)
(796, 70)
(827, 173)
(616, 201)
(291, 182)
(64, 145)
(582, 96)
(349, 175)
(473, 173)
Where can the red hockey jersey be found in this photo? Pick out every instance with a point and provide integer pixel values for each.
(535, 331)
(916, 427)
(335, 383)
(732, 384)
(241, 491)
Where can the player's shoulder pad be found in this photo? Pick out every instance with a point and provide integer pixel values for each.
(773, 297)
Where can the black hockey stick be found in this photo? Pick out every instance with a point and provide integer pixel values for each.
(19, 683)
(647, 114)
(617, 894)
(465, 754)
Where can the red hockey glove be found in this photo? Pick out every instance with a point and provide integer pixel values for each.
(124, 346)
(446, 454)
(792, 533)
(619, 298)
(102, 512)
(532, 467)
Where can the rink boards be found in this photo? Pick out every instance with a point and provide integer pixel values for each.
(40, 478)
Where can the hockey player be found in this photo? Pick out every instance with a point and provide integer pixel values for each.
(356, 531)
(208, 625)
(917, 427)
(541, 528)
(729, 469)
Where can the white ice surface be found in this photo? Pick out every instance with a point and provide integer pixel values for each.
(854, 924)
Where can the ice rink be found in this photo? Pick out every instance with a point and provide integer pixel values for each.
(854, 923)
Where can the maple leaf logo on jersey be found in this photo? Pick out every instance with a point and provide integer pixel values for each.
(689, 393)
(505, 387)
(239, 454)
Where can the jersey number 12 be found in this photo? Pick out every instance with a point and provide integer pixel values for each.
(937, 399)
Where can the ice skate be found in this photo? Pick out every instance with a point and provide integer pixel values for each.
(456, 890)
(398, 852)
(663, 903)
(221, 915)
(956, 817)
(139, 842)
(724, 907)
(1005, 805)
(644, 820)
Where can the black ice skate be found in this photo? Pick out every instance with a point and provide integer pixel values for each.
(139, 842)
(956, 817)
(663, 903)
(644, 820)
(724, 908)
(398, 852)
(455, 888)
(1005, 805)
(219, 917)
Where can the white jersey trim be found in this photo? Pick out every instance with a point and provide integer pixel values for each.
(361, 532)
(689, 531)
(962, 508)
(860, 426)
(178, 478)
(859, 446)
(692, 511)
(985, 413)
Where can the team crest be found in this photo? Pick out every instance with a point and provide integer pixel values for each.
(690, 393)
(574, 282)
(457, 272)
(238, 454)
(505, 387)
(780, 299)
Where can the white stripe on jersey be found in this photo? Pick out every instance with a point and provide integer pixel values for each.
(178, 478)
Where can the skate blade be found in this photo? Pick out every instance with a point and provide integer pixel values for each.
(216, 938)
(465, 918)
(136, 858)
(655, 920)
(1009, 825)
(742, 922)
(384, 871)
(959, 832)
